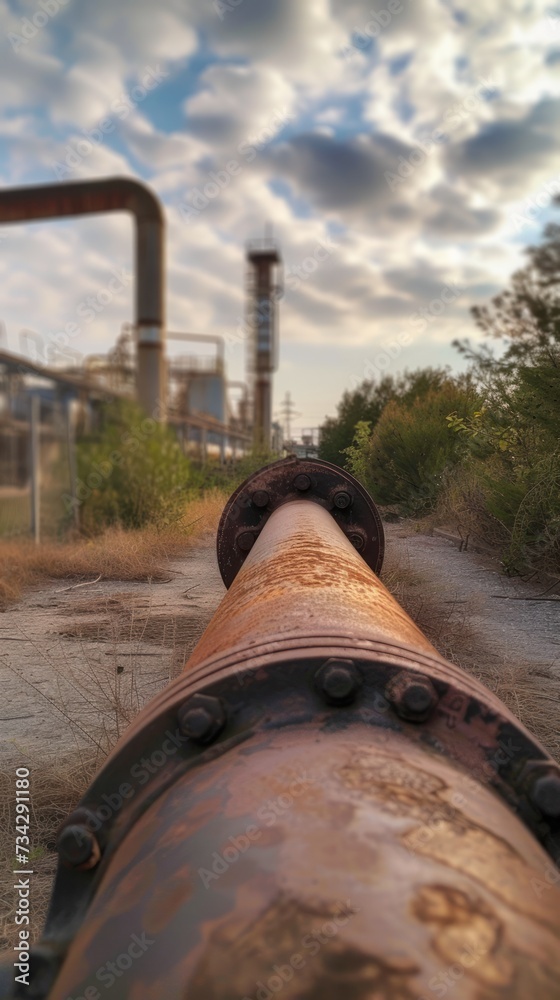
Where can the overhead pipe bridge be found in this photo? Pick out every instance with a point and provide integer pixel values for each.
(115, 194)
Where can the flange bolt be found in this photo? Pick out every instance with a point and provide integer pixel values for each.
(339, 681)
(342, 500)
(202, 718)
(260, 498)
(302, 482)
(358, 541)
(245, 541)
(77, 846)
(544, 794)
(413, 698)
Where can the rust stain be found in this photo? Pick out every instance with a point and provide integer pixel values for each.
(467, 932)
(288, 947)
(444, 832)
(167, 900)
(469, 937)
(465, 847)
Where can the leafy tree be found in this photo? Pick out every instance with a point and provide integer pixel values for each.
(362, 404)
(514, 466)
(514, 440)
(366, 404)
(526, 316)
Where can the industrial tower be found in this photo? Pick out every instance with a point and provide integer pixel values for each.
(264, 288)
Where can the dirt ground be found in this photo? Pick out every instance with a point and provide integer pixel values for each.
(503, 630)
(78, 662)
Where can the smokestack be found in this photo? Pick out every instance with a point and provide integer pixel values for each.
(264, 290)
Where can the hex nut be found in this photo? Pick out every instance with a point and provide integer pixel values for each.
(43, 969)
(302, 482)
(413, 697)
(77, 846)
(358, 540)
(339, 681)
(246, 540)
(260, 498)
(342, 500)
(202, 718)
(544, 794)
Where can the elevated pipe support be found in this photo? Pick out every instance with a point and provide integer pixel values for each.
(115, 194)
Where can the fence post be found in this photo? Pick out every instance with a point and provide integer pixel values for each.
(71, 446)
(35, 430)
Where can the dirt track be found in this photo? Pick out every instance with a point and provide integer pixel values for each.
(508, 615)
(77, 663)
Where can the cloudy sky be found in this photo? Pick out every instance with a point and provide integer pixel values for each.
(404, 153)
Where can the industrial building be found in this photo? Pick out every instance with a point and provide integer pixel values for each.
(46, 404)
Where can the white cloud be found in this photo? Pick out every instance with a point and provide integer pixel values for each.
(354, 120)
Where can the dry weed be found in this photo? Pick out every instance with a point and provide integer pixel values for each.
(96, 704)
(56, 788)
(115, 555)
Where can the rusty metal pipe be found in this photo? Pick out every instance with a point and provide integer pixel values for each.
(115, 194)
(318, 805)
(303, 578)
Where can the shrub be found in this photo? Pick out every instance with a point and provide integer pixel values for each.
(514, 509)
(510, 491)
(412, 447)
(131, 472)
(229, 476)
(366, 404)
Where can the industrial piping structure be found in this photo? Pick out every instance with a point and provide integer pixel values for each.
(319, 805)
(115, 194)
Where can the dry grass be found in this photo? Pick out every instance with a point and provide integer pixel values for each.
(95, 701)
(115, 555)
(55, 791)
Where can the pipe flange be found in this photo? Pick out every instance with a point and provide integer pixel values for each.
(250, 507)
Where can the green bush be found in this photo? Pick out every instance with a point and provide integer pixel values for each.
(363, 404)
(510, 491)
(366, 404)
(132, 472)
(405, 460)
(229, 476)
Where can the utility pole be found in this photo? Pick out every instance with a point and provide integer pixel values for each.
(287, 411)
